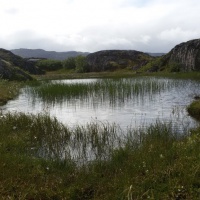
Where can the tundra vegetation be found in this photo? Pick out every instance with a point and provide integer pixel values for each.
(42, 158)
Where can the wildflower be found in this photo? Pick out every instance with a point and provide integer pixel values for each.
(161, 156)
(14, 127)
(47, 168)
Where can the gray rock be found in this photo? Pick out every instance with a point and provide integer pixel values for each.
(184, 56)
(116, 59)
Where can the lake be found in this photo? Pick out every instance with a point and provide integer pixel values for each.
(129, 102)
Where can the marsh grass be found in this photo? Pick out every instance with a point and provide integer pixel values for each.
(115, 91)
(43, 159)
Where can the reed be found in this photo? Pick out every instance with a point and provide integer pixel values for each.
(114, 91)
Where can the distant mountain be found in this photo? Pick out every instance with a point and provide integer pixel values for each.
(40, 53)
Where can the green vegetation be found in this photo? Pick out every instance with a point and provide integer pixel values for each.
(49, 65)
(43, 159)
(151, 66)
(69, 63)
(8, 90)
(116, 90)
(52, 161)
(194, 109)
(78, 64)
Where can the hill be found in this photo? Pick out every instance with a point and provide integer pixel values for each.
(40, 53)
(117, 59)
(14, 67)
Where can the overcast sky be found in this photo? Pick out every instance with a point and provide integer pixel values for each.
(93, 25)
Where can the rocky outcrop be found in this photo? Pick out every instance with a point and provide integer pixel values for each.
(13, 67)
(116, 59)
(183, 57)
(10, 72)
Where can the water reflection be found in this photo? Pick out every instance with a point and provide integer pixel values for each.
(128, 102)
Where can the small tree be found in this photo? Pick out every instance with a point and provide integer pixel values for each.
(69, 63)
(81, 64)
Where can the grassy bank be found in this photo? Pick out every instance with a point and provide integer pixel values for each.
(8, 90)
(43, 159)
(194, 109)
(71, 74)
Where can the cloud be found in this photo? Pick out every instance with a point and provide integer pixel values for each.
(92, 25)
(177, 34)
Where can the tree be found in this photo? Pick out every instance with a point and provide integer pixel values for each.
(69, 63)
(81, 64)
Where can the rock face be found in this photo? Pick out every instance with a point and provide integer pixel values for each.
(14, 67)
(184, 57)
(116, 59)
(10, 72)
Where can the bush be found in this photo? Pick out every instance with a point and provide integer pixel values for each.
(49, 65)
(69, 63)
(194, 109)
(81, 64)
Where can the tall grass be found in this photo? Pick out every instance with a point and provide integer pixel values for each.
(115, 91)
(43, 159)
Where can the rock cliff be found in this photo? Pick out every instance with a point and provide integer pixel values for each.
(10, 72)
(183, 57)
(116, 59)
(14, 67)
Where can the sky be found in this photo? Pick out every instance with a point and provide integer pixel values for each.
(92, 25)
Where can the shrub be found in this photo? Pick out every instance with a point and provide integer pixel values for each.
(69, 63)
(49, 65)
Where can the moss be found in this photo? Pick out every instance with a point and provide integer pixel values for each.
(194, 109)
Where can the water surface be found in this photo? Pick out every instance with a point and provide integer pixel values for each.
(154, 98)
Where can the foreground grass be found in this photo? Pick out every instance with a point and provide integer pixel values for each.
(8, 90)
(43, 159)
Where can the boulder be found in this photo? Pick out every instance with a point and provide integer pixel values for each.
(109, 60)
